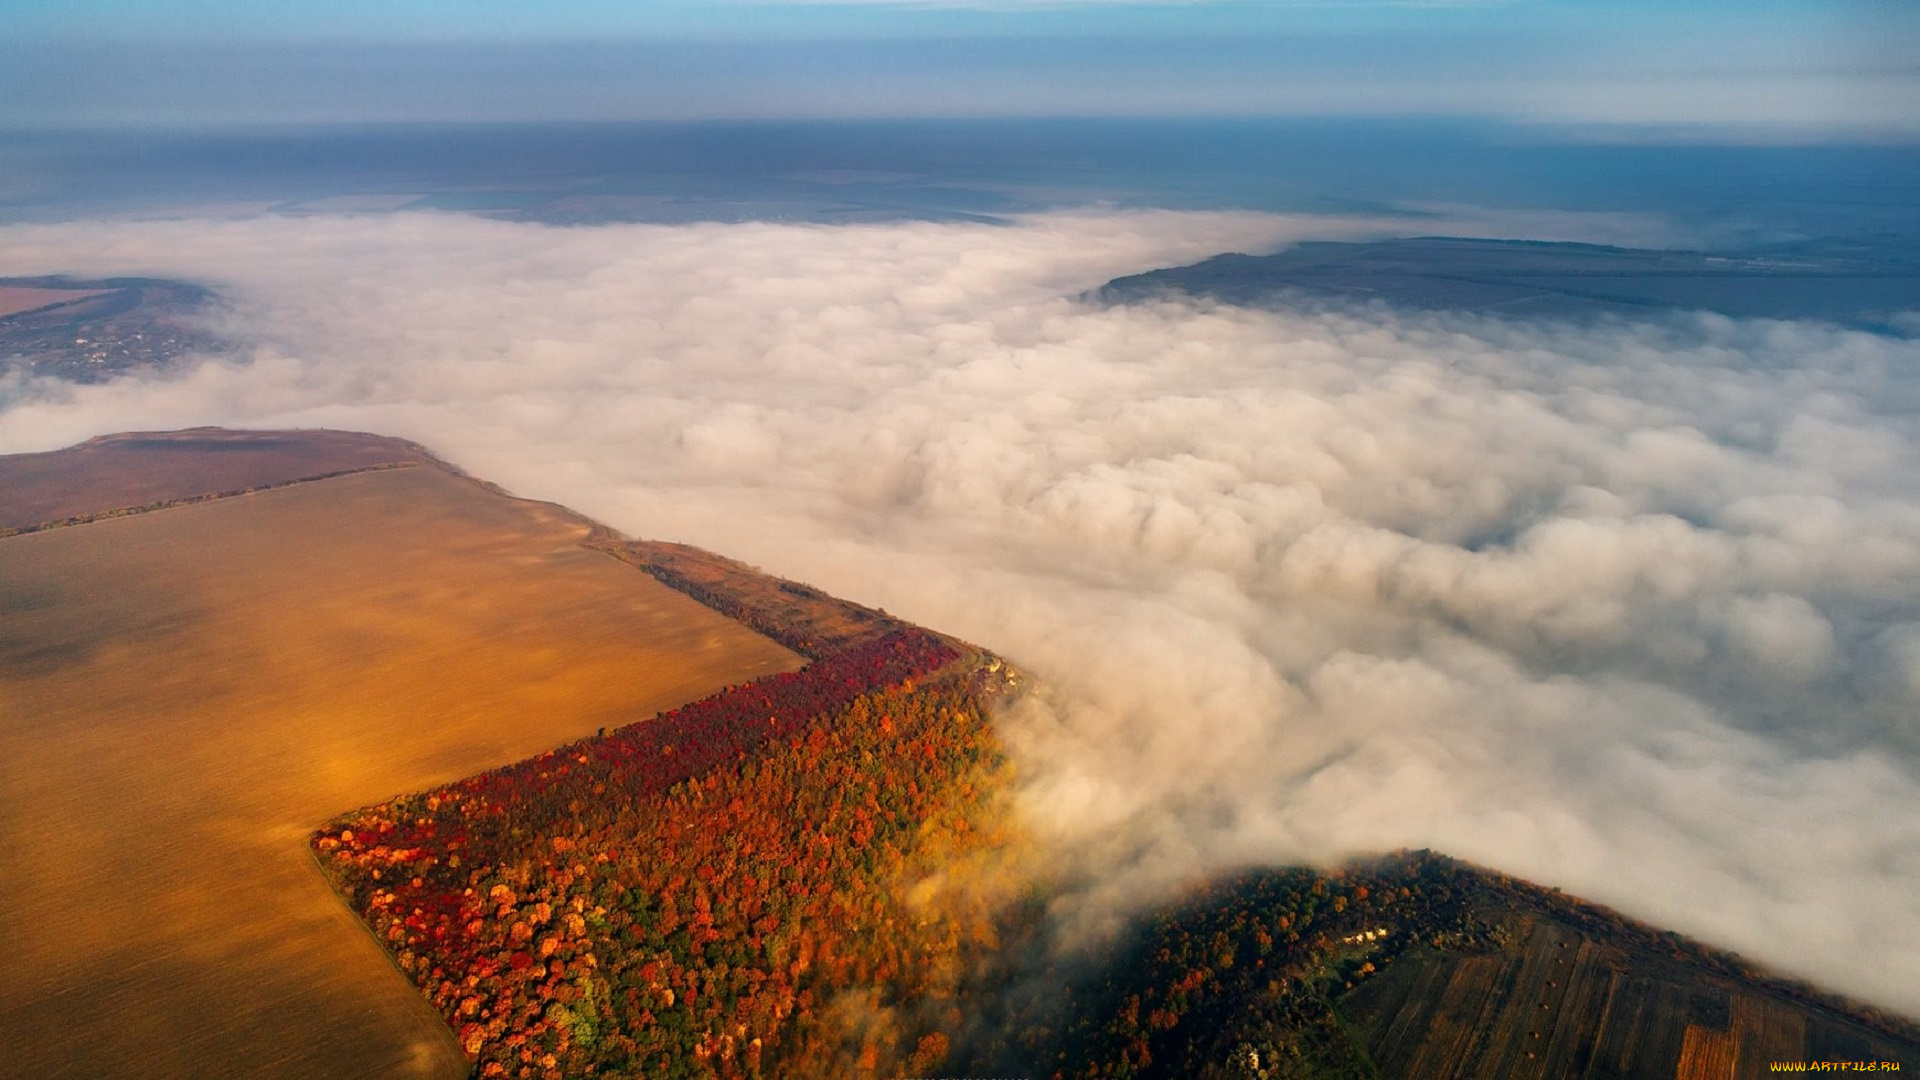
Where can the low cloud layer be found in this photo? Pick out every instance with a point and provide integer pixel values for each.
(1630, 610)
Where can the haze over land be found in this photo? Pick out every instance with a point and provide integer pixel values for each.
(1805, 68)
(1632, 609)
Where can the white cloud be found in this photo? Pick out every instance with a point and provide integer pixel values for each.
(1630, 610)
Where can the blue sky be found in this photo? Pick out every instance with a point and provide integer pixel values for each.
(1751, 65)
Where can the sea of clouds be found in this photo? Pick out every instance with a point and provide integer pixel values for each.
(1629, 609)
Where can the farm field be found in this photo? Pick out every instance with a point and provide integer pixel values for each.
(1414, 966)
(1557, 1002)
(18, 298)
(186, 694)
(149, 469)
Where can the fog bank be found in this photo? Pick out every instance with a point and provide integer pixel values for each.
(1633, 610)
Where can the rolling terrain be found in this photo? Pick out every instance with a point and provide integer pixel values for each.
(1850, 285)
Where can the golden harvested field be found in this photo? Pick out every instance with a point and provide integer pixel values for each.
(186, 693)
(15, 299)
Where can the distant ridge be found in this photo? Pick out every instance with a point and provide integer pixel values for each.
(1528, 278)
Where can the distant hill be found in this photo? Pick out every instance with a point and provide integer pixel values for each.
(1524, 278)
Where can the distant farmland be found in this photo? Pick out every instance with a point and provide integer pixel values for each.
(186, 694)
(15, 299)
(1414, 966)
(146, 470)
(1556, 1002)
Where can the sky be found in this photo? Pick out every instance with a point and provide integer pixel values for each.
(1845, 66)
